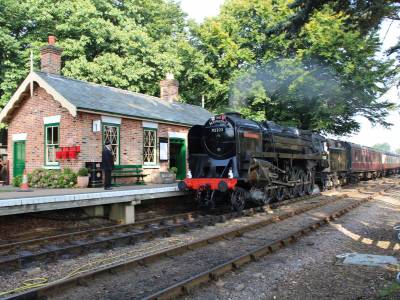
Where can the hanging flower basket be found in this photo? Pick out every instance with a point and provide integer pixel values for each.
(58, 154)
(72, 154)
(65, 153)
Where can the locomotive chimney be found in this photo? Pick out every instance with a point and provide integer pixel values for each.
(169, 88)
(51, 57)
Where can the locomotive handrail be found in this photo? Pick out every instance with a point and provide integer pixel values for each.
(286, 155)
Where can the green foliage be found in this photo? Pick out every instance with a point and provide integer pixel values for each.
(382, 147)
(364, 14)
(42, 178)
(173, 170)
(83, 172)
(17, 181)
(390, 291)
(129, 44)
(397, 150)
(320, 78)
(308, 63)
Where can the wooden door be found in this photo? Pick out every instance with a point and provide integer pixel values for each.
(19, 158)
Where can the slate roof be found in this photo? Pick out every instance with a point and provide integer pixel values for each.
(99, 98)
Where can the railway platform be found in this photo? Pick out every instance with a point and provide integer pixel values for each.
(120, 201)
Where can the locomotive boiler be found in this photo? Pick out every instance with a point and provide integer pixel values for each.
(244, 160)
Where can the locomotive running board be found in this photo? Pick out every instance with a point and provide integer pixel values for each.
(286, 155)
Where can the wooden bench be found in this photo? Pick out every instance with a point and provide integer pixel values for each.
(125, 171)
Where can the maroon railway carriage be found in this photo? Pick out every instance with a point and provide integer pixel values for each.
(390, 163)
(365, 162)
(350, 162)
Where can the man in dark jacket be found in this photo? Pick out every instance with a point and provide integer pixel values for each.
(107, 164)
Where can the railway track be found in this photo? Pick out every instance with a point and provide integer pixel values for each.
(18, 254)
(185, 285)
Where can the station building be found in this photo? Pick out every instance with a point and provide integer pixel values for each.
(50, 113)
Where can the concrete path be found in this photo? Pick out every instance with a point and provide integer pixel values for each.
(13, 202)
(9, 192)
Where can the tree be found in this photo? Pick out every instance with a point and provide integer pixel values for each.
(397, 151)
(129, 44)
(326, 74)
(382, 147)
(366, 15)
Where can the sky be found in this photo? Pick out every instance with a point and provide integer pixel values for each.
(368, 135)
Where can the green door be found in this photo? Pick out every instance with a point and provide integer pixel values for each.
(177, 155)
(19, 158)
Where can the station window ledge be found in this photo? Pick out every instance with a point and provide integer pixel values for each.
(56, 167)
(151, 166)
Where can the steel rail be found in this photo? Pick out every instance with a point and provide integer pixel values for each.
(120, 235)
(103, 229)
(187, 285)
(168, 253)
(85, 232)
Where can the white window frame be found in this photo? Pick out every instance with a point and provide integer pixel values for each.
(118, 152)
(46, 144)
(154, 162)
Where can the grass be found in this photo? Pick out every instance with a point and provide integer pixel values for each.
(391, 290)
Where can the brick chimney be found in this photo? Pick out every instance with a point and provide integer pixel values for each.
(169, 88)
(51, 57)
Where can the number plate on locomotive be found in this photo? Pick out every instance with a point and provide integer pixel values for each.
(217, 129)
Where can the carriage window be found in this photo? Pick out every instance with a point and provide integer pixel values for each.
(52, 141)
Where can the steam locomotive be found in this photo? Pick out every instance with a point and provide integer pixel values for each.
(260, 162)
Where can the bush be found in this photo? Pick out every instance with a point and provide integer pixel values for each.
(68, 171)
(173, 170)
(17, 181)
(41, 178)
(83, 172)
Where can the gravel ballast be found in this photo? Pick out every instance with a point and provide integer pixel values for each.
(143, 281)
(309, 268)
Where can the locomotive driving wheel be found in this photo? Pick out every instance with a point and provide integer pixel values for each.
(294, 176)
(303, 179)
(280, 193)
(238, 199)
(269, 196)
(309, 187)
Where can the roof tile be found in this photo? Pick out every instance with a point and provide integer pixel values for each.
(94, 97)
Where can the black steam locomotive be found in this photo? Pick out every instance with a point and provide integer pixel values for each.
(252, 161)
(264, 162)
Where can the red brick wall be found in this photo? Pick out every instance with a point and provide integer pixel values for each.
(28, 118)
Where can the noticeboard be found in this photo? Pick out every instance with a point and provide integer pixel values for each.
(163, 149)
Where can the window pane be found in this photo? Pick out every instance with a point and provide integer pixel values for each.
(55, 135)
(149, 146)
(49, 134)
(110, 134)
(51, 154)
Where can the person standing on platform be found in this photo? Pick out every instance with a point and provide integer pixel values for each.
(107, 163)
